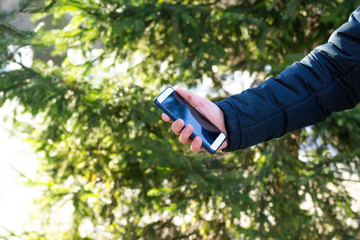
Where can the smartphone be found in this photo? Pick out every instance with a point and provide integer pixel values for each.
(176, 107)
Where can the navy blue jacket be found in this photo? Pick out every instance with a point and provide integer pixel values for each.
(307, 92)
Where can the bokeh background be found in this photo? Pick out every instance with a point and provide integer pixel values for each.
(86, 156)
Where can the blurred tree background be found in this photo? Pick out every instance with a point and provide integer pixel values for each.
(118, 170)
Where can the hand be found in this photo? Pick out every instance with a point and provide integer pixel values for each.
(208, 109)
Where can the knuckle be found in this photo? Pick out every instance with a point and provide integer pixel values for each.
(173, 128)
(187, 131)
(181, 139)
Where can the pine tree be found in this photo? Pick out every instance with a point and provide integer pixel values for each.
(109, 156)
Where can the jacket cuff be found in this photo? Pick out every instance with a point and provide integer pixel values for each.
(231, 125)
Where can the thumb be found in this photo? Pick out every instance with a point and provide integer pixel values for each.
(191, 97)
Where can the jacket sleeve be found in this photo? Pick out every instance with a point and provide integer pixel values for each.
(307, 92)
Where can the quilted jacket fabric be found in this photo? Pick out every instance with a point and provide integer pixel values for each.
(307, 92)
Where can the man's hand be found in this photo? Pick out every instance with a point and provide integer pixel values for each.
(206, 107)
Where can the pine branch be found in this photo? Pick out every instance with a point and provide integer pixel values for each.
(8, 15)
(74, 89)
(38, 10)
(11, 35)
(50, 6)
(24, 7)
(12, 30)
(23, 4)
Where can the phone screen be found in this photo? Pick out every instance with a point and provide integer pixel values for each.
(177, 107)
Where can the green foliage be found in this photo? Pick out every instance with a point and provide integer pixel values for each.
(114, 163)
(10, 35)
